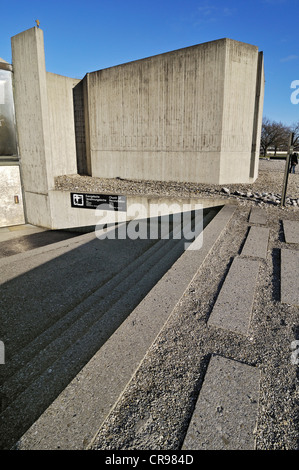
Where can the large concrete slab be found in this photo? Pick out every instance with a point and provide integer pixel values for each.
(290, 277)
(256, 244)
(291, 231)
(233, 307)
(226, 412)
(258, 216)
(75, 416)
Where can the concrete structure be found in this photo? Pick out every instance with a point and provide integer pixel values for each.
(189, 115)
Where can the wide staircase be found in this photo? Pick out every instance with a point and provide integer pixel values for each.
(59, 305)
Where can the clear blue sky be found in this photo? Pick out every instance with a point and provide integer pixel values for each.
(87, 35)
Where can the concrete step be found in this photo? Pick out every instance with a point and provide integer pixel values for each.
(291, 231)
(289, 277)
(226, 411)
(37, 290)
(256, 244)
(72, 420)
(41, 380)
(88, 309)
(258, 216)
(232, 310)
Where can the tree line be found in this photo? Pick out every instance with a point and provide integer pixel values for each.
(275, 136)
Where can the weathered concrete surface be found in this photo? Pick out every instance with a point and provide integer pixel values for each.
(187, 115)
(256, 243)
(258, 216)
(232, 310)
(289, 277)
(62, 126)
(10, 186)
(75, 416)
(291, 231)
(226, 411)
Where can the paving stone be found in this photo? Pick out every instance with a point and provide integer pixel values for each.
(291, 231)
(290, 277)
(226, 411)
(256, 244)
(258, 216)
(232, 310)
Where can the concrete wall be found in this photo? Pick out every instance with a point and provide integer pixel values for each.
(186, 115)
(62, 126)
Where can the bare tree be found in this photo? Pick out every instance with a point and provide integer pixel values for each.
(295, 128)
(274, 135)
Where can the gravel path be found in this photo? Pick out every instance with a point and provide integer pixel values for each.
(156, 408)
(270, 180)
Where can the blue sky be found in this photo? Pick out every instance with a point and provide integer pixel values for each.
(85, 36)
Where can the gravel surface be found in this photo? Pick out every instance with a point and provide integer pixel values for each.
(156, 407)
(270, 180)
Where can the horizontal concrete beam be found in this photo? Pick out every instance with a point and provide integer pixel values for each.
(64, 216)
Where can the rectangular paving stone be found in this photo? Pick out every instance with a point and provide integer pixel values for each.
(226, 411)
(289, 277)
(291, 231)
(258, 216)
(256, 244)
(233, 307)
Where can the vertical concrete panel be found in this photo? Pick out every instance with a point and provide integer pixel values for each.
(31, 105)
(238, 112)
(33, 125)
(62, 126)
